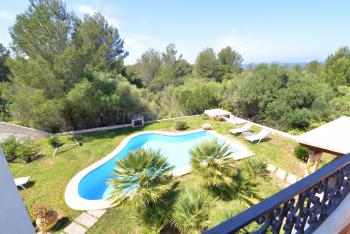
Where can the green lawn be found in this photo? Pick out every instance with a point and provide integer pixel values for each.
(51, 174)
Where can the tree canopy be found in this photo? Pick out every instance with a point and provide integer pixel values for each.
(66, 73)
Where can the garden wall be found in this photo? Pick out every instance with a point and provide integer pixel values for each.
(119, 126)
(20, 132)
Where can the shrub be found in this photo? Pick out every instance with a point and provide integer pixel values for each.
(301, 153)
(219, 118)
(210, 160)
(191, 210)
(256, 169)
(296, 132)
(9, 147)
(14, 149)
(45, 218)
(181, 125)
(27, 151)
(225, 211)
(205, 117)
(54, 141)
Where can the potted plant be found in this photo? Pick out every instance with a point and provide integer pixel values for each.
(45, 218)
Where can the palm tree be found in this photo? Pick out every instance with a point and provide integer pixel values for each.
(141, 178)
(224, 211)
(191, 210)
(256, 169)
(211, 161)
(251, 173)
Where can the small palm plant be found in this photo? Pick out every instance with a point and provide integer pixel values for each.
(256, 169)
(250, 175)
(141, 178)
(191, 210)
(211, 161)
(224, 211)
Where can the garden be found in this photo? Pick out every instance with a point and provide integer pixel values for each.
(50, 175)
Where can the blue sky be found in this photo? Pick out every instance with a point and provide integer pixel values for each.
(262, 31)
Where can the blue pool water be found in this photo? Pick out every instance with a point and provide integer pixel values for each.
(176, 148)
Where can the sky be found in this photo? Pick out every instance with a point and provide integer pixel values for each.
(261, 30)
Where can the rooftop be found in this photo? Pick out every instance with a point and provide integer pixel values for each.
(332, 137)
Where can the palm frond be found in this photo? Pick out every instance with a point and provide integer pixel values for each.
(143, 176)
(191, 210)
(211, 161)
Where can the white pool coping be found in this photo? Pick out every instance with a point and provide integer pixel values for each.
(76, 202)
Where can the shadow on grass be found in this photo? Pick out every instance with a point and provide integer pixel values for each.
(61, 224)
(27, 185)
(170, 229)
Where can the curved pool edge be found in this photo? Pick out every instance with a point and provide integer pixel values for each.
(76, 202)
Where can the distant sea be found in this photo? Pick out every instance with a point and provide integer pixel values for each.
(281, 64)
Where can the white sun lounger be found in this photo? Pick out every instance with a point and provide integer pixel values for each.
(242, 129)
(258, 137)
(22, 181)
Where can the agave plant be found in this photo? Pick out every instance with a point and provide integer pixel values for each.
(191, 210)
(211, 161)
(141, 178)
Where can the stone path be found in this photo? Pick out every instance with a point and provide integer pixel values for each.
(83, 222)
(286, 177)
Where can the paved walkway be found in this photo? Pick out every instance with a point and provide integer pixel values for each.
(281, 174)
(83, 222)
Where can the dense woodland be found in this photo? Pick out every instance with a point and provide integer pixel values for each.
(61, 72)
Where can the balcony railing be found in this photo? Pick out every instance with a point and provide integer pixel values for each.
(299, 208)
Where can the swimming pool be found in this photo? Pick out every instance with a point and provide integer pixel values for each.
(90, 185)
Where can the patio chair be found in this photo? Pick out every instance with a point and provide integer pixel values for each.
(258, 137)
(241, 130)
(22, 181)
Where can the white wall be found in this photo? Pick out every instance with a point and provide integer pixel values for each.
(14, 218)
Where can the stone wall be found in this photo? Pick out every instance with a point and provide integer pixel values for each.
(20, 132)
(119, 126)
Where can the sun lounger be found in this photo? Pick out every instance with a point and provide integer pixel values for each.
(258, 137)
(244, 128)
(22, 181)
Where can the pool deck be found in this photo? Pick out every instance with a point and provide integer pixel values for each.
(76, 202)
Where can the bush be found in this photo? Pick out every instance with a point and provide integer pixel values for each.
(301, 153)
(205, 116)
(256, 169)
(9, 147)
(54, 141)
(191, 210)
(27, 151)
(225, 211)
(181, 125)
(44, 217)
(219, 118)
(296, 132)
(14, 149)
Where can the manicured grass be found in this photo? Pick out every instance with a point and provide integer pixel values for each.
(52, 174)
